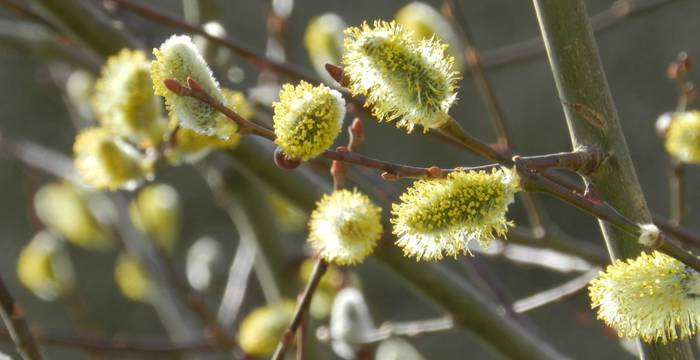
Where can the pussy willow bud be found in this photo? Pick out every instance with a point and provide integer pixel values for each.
(413, 81)
(156, 212)
(178, 59)
(107, 162)
(79, 217)
(124, 101)
(307, 119)
(654, 297)
(79, 88)
(425, 22)
(350, 322)
(191, 146)
(205, 263)
(683, 137)
(323, 40)
(440, 217)
(397, 349)
(263, 328)
(44, 267)
(132, 281)
(283, 161)
(345, 227)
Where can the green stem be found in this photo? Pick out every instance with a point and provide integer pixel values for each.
(592, 120)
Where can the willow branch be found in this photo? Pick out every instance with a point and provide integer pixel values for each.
(302, 308)
(13, 317)
(583, 160)
(531, 180)
(592, 121)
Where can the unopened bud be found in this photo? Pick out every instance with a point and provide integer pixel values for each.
(285, 162)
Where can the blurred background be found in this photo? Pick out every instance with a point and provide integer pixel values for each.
(34, 106)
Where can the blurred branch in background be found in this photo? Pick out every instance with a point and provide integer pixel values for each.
(141, 347)
(13, 317)
(555, 294)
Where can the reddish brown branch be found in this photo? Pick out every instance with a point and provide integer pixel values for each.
(302, 309)
(18, 331)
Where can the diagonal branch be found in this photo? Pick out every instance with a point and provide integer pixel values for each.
(13, 318)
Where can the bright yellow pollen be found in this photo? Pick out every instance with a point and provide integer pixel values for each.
(441, 216)
(307, 119)
(683, 137)
(345, 227)
(653, 296)
(403, 78)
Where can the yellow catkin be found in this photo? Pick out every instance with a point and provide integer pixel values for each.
(107, 162)
(307, 119)
(440, 217)
(683, 137)
(178, 58)
(425, 22)
(156, 211)
(262, 329)
(44, 268)
(73, 212)
(653, 296)
(402, 78)
(124, 102)
(345, 227)
(323, 40)
(131, 279)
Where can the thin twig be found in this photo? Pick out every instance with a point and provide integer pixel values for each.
(13, 317)
(677, 193)
(555, 294)
(302, 308)
(582, 161)
(530, 180)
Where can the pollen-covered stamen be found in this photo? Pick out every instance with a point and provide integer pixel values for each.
(654, 297)
(345, 227)
(401, 77)
(441, 216)
(307, 119)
